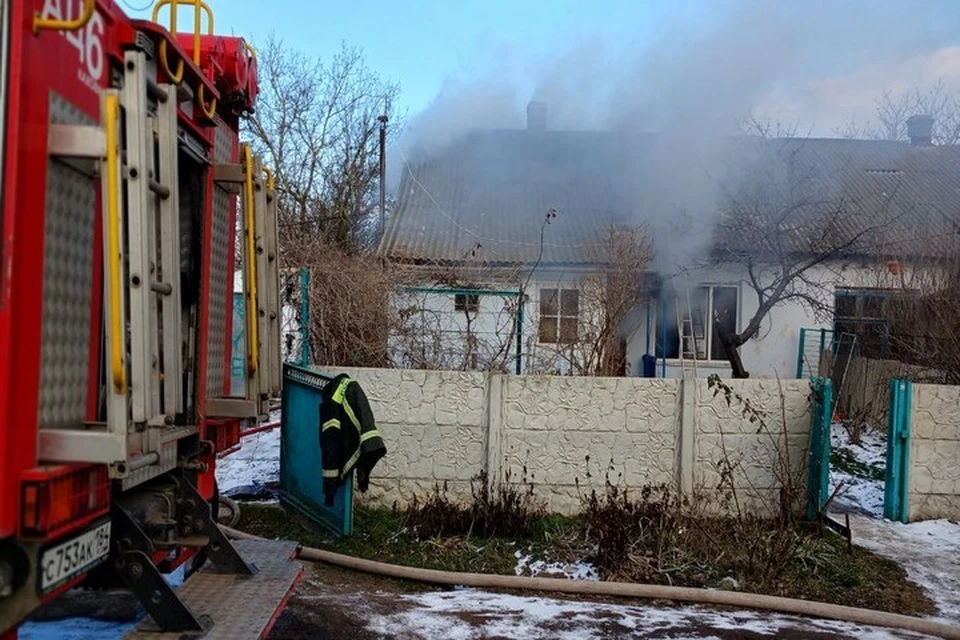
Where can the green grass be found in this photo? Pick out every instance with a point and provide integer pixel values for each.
(842, 459)
(821, 569)
(861, 579)
(381, 534)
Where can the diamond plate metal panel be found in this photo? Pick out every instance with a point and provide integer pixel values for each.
(223, 143)
(240, 606)
(67, 284)
(221, 243)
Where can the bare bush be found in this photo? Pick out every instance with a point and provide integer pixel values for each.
(349, 299)
(500, 509)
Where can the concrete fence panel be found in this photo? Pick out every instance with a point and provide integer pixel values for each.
(569, 435)
(934, 457)
(739, 442)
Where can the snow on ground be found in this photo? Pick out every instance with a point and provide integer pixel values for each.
(465, 614)
(928, 551)
(578, 570)
(256, 463)
(860, 474)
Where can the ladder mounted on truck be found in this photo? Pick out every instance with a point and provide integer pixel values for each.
(135, 202)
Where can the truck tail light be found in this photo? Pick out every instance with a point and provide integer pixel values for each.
(58, 499)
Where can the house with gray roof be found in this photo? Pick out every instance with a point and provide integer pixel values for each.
(505, 225)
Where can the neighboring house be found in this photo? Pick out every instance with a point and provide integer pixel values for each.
(469, 221)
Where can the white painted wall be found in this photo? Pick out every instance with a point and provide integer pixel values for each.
(437, 332)
(773, 353)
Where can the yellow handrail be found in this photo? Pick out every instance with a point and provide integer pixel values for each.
(175, 78)
(39, 22)
(251, 262)
(112, 109)
(209, 111)
(269, 174)
(198, 5)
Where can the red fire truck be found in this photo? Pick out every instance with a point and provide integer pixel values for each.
(128, 201)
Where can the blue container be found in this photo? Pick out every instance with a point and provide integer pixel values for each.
(649, 363)
(301, 467)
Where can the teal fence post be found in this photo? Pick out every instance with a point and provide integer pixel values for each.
(818, 478)
(304, 316)
(803, 337)
(896, 490)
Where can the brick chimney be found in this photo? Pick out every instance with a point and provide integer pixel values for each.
(536, 116)
(920, 130)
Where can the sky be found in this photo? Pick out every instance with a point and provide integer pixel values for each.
(837, 55)
(422, 42)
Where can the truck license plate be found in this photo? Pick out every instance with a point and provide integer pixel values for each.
(69, 559)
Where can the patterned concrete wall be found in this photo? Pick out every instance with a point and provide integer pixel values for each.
(571, 433)
(934, 476)
(750, 452)
(434, 424)
(567, 435)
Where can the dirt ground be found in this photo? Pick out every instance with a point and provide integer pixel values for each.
(331, 604)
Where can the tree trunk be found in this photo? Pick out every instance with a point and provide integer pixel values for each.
(733, 356)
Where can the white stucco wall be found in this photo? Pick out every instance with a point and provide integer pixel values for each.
(569, 435)
(773, 353)
(431, 333)
(934, 462)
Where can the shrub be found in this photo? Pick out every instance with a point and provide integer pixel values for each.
(501, 509)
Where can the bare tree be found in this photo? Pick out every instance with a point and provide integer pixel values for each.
(786, 220)
(893, 110)
(316, 124)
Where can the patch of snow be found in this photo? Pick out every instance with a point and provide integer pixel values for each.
(928, 552)
(256, 462)
(468, 613)
(578, 570)
(859, 494)
(872, 450)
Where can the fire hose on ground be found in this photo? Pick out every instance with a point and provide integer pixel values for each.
(624, 590)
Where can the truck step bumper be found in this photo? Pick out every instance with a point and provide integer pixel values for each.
(236, 606)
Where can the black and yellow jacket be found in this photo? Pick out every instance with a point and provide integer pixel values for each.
(348, 435)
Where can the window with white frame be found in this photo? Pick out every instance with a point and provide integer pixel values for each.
(695, 320)
(559, 314)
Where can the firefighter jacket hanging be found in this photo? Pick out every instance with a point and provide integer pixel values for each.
(348, 436)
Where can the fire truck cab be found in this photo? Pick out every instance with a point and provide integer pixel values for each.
(127, 203)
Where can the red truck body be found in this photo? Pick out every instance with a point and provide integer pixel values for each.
(78, 450)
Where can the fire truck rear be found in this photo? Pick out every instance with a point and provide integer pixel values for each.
(128, 202)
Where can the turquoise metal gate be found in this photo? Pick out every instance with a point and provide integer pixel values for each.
(895, 492)
(818, 479)
(301, 469)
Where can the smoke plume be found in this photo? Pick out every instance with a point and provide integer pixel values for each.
(694, 86)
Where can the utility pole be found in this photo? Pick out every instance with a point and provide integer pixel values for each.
(383, 173)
